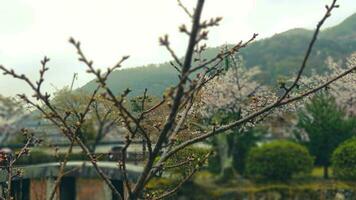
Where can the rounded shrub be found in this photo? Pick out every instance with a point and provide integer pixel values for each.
(278, 160)
(344, 160)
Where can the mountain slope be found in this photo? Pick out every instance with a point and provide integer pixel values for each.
(279, 55)
(345, 31)
(156, 78)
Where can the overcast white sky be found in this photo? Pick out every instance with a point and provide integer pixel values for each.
(109, 29)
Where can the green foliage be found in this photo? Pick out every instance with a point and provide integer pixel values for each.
(244, 143)
(100, 116)
(278, 160)
(214, 163)
(35, 157)
(9, 108)
(237, 141)
(223, 145)
(136, 103)
(239, 145)
(159, 185)
(344, 160)
(178, 166)
(326, 126)
(190, 156)
(10, 111)
(17, 138)
(68, 101)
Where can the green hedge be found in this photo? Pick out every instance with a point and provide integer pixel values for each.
(344, 160)
(278, 160)
(38, 156)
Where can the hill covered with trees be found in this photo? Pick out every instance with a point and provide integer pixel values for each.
(277, 56)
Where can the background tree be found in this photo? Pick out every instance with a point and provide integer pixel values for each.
(10, 111)
(326, 126)
(233, 94)
(102, 116)
(343, 90)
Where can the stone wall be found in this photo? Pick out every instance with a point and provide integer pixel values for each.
(38, 189)
(92, 189)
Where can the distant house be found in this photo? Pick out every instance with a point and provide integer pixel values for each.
(81, 183)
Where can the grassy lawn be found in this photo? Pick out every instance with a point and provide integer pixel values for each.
(313, 182)
(318, 172)
(204, 185)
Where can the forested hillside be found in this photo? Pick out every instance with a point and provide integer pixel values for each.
(279, 55)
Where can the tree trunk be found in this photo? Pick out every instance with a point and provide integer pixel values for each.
(326, 172)
(98, 137)
(226, 159)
